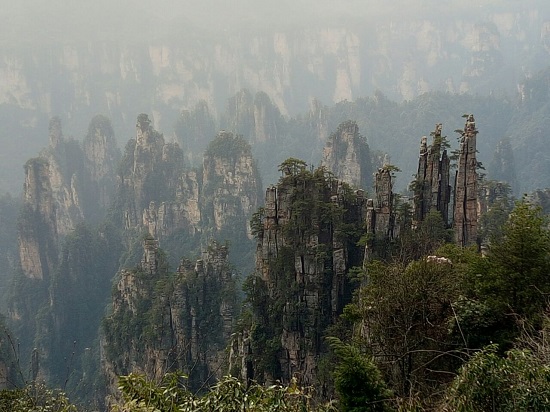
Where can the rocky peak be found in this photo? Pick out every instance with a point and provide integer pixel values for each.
(380, 211)
(102, 157)
(37, 226)
(231, 181)
(56, 133)
(151, 170)
(347, 156)
(255, 117)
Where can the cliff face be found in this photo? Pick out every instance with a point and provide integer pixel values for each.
(451, 49)
(164, 322)
(306, 245)
(444, 49)
(347, 156)
(381, 215)
(65, 187)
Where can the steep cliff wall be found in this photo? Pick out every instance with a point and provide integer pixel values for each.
(457, 48)
(164, 322)
(231, 182)
(307, 234)
(102, 157)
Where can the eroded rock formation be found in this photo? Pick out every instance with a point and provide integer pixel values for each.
(64, 186)
(380, 212)
(432, 189)
(347, 156)
(466, 192)
(300, 286)
(159, 195)
(163, 322)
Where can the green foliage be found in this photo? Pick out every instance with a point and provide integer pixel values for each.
(292, 167)
(228, 395)
(431, 234)
(35, 397)
(257, 223)
(405, 309)
(358, 381)
(143, 321)
(317, 214)
(489, 382)
(499, 203)
(515, 277)
(228, 146)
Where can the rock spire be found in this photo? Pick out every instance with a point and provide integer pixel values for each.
(466, 193)
(432, 190)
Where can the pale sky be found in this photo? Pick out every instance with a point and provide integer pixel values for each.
(52, 20)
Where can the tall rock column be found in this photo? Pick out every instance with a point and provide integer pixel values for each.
(466, 193)
(380, 214)
(432, 190)
(300, 285)
(380, 218)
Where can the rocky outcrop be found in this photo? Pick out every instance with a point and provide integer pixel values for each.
(231, 182)
(38, 227)
(157, 193)
(305, 249)
(466, 187)
(64, 186)
(151, 170)
(164, 322)
(381, 221)
(432, 189)
(347, 156)
(102, 157)
(255, 117)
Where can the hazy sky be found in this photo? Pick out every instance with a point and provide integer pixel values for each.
(53, 20)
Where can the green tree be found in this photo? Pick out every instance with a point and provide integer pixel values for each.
(228, 395)
(358, 381)
(489, 382)
(515, 278)
(403, 313)
(35, 397)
